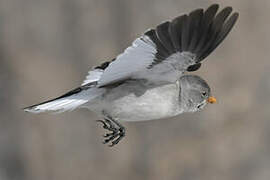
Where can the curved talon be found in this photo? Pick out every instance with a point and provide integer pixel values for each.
(121, 136)
(111, 138)
(111, 145)
(108, 134)
(116, 134)
(115, 142)
(115, 139)
(108, 139)
(104, 124)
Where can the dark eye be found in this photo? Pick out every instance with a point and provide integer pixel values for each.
(204, 93)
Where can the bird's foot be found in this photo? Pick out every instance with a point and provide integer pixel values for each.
(117, 131)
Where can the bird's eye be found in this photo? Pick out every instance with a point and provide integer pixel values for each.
(204, 93)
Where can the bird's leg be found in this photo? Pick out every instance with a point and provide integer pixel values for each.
(117, 131)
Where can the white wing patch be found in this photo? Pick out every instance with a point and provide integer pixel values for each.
(135, 63)
(135, 58)
(93, 75)
(168, 70)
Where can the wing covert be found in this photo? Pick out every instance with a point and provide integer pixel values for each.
(173, 47)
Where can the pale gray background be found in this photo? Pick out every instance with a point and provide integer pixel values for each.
(46, 49)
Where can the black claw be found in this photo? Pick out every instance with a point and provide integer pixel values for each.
(111, 138)
(111, 145)
(117, 131)
(115, 141)
(104, 124)
(121, 136)
(108, 134)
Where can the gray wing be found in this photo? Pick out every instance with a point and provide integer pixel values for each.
(93, 76)
(173, 47)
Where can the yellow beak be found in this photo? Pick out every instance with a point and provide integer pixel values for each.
(212, 100)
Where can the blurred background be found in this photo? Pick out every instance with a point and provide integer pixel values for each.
(47, 48)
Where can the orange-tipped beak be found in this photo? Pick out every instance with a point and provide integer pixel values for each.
(212, 100)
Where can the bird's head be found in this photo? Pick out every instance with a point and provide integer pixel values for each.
(195, 93)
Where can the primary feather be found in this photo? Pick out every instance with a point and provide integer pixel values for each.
(187, 38)
(160, 55)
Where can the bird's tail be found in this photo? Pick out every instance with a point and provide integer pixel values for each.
(67, 102)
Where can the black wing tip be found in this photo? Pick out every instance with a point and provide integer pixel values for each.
(198, 32)
(236, 15)
(149, 31)
(214, 30)
(228, 8)
(199, 10)
(215, 6)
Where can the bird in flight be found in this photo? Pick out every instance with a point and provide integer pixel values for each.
(149, 80)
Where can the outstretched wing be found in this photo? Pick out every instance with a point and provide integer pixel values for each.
(164, 53)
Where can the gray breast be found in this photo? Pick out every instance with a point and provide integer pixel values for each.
(138, 101)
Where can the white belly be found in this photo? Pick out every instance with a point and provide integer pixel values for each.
(155, 103)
